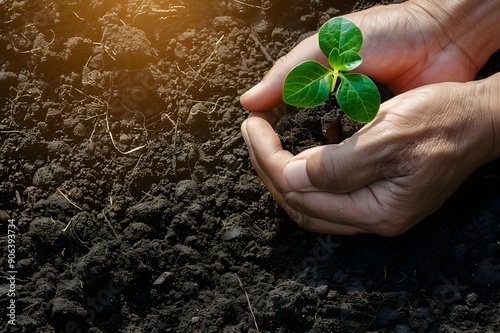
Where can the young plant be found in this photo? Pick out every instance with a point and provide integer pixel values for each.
(310, 83)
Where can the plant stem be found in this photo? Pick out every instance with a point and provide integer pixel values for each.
(335, 77)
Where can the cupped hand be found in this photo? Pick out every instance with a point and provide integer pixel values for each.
(392, 173)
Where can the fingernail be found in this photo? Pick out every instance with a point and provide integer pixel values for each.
(295, 174)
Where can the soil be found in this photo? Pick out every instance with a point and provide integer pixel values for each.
(133, 206)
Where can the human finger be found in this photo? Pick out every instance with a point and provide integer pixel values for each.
(377, 151)
(274, 115)
(320, 225)
(374, 208)
(268, 93)
(268, 159)
(266, 152)
(336, 168)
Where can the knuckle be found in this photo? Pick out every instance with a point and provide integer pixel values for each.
(328, 173)
(393, 226)
(307, 223)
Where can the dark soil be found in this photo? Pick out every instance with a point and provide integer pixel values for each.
(135, 207)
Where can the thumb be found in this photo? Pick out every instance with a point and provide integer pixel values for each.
(330, 168)
(268, 93)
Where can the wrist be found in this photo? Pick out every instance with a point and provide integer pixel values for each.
(491, 101)
(472, 26)
(480, 103)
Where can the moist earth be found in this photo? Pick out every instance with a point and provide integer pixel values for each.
(134, 208)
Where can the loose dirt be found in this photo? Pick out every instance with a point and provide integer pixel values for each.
(136, 208)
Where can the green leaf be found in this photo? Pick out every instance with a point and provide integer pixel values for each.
(358, 96)
(307, 84)
(346, 61)
(341, 34)
(310, 83)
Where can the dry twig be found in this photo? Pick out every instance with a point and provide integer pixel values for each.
(254, 6)
(262, 47)
(249, 304)
(205, 63)
(35, 48)
(215, 104)
(71, 202)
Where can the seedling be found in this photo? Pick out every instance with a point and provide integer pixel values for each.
(68, 266)
(310, 83)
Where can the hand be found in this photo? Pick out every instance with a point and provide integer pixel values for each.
(405, 46)
(394, 171)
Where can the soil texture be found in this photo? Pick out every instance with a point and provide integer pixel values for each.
(127, 190)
